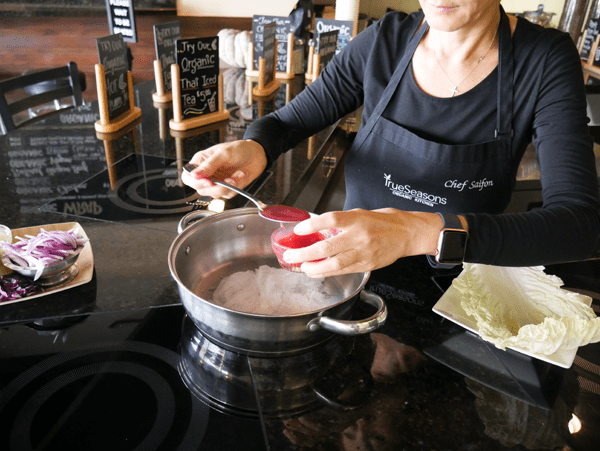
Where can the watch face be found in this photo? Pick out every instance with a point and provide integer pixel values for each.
(452, 247)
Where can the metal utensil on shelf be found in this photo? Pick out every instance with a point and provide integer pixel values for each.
(278, 213)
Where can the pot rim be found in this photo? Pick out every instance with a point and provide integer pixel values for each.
(190, 229)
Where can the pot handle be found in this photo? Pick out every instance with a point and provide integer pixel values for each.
(192, 216)
(366, 388)
(343, 327)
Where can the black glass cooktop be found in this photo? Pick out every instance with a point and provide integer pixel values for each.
(146, 378)
(109, 381)
(138, 188)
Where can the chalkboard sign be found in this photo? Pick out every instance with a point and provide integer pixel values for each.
(596, 61)
(590, 37)
(283, 29)
(112, 52)
(344, 27)
(198, 61)
(325, 46)
(165, 36)
(269, 33)
(121, 19)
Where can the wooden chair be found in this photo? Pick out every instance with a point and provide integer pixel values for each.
(36, 95)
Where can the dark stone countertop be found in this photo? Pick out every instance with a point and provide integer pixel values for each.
(104, 363)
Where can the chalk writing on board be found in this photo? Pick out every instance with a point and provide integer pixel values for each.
(198, 61)
(596, 61)
(112, 53)
(590, 37)
(323, 25)
(165, 36)
(269, 52)
(325, 46)
(283, 29)
(121, 19)
(45, 167)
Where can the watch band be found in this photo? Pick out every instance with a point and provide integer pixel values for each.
(451, 221)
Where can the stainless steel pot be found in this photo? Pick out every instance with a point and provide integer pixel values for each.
(273, 387)
(221, 244)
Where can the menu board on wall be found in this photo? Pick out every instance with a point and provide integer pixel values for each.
(165, 36)
(283, 29)
(112, 53)
(269, 51)
(198, 61)
(344, 26)
(121, 19)
(591, 35)
(325, 46)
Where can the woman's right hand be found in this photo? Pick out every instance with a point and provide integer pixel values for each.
(237, 163)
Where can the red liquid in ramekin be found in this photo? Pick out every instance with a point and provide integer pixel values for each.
(285, 238)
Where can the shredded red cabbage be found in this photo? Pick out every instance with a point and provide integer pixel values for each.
(12, 288)
(43, 249)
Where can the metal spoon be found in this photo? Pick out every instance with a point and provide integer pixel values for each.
(278, 213)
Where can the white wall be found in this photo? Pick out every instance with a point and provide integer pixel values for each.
(376, 8)
(235, 8)
(373, 8)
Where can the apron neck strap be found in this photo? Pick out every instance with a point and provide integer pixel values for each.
(504, 129)
(417, 34)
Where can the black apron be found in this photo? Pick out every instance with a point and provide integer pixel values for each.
(389, 166)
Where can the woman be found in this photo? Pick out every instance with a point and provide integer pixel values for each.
(452, 96)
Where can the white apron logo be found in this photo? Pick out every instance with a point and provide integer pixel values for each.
(469, 184)
(409, 193)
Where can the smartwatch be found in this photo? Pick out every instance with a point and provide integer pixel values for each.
(452, 243)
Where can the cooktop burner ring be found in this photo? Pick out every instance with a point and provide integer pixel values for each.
(130, 185)
(132, 192)
(41, 381)
(165, 414)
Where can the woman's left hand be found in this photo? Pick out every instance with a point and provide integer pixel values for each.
(368, 240)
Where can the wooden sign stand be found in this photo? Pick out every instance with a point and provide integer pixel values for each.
(163, 124)
(262, 100)
(105, 125)
(178, 122)
(309, 76)
(288, 74)
(263, 90)
(589, 70)
(315, 69)
(109, 153)
(160, 96)
(251, 73)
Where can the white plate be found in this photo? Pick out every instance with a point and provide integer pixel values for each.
(449, 307)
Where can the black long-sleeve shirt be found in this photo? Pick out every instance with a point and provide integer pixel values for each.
(549, 107)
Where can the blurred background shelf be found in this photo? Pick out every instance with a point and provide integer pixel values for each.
(75, 7)
(32, 43)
